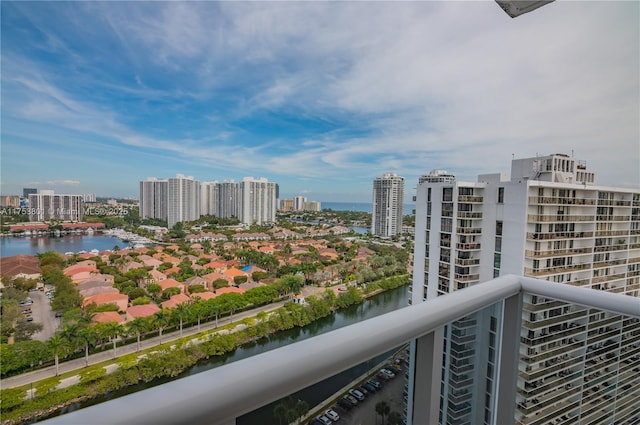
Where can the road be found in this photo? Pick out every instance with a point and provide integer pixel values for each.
(72, 365)
(43, 314)
(52, 323)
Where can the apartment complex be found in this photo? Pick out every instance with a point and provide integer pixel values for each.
(258, 201)
(182, 198)
(388, 196)
(299, 203)
(153, 198)
(549, 221)
(46, 205)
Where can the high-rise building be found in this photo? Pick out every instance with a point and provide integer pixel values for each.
(209, 193)
(550, 221)
(46, 205)
(228, 199)
(388, 196)
(286, 205)
(299, 203)
(28, 191)
(89, 197)
(154, 198)
(183, 199)
(258, 201)
(313, 206)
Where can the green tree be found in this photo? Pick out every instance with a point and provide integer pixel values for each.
(57, 345)
(110, 330)
(154, 289)
(382, 409)
(199, 310)
(394, 418)
(161, 321)
(88, 336)
(182, 311)
(137, 326)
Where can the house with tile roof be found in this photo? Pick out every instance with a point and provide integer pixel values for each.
(155, 277)
(144, 310)
(107, 317)
(26, 266)
(204, 296)
(233, 272)
(171, 283)
(121, 300)
(90, 292)
(229, 290)
(175, 300)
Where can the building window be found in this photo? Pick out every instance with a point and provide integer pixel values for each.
(429, 194)
(501, 195)
(447, 194)
(498, 228)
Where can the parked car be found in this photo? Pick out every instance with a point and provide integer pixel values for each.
(315, 422)
(375, 383)
(345, 403)
(58, 314)
(324, 420)
(352, 399)
(369, 387)
(332, 414)
(27, 311)
(388, 373)
(357, 394)
(29, 319)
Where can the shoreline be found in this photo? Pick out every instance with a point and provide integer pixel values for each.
(184, 344)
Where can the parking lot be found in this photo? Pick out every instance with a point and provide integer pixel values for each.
(42, 313)
(364, 413)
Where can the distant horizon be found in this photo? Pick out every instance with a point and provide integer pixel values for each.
(319, 97)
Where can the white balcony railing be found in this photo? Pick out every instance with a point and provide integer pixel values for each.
(221, 395)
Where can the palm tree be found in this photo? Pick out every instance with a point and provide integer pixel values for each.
(161, 321)
(57, 345)
(182, 310)
(199, 310)
(280, 412)
(112, 330)
(70, 334)
(382, 409)
(394, 418)
(137, 326)
(89, 336)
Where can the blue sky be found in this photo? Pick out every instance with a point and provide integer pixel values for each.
(321, 97)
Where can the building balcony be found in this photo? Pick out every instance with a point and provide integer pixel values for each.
(469, 215)
(613, 217)
(608, 278)
(470, 199)
(546, 200)
(468, 246)
(558, 235)
(469, 230)
(558, 252)
(555, 270)
(558, 218)
(220, 395)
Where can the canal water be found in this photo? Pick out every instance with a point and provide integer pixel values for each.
(32, 245)
(375, 306)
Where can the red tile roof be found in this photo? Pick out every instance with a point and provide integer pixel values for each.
(142, 310)
(107, 316)
(19, 264)
(175, 300)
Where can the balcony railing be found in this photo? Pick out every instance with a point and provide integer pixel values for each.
(221, 395)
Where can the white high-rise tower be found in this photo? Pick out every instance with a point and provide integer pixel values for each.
(388, 196)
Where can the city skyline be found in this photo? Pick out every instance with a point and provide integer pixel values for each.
(98, 96)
